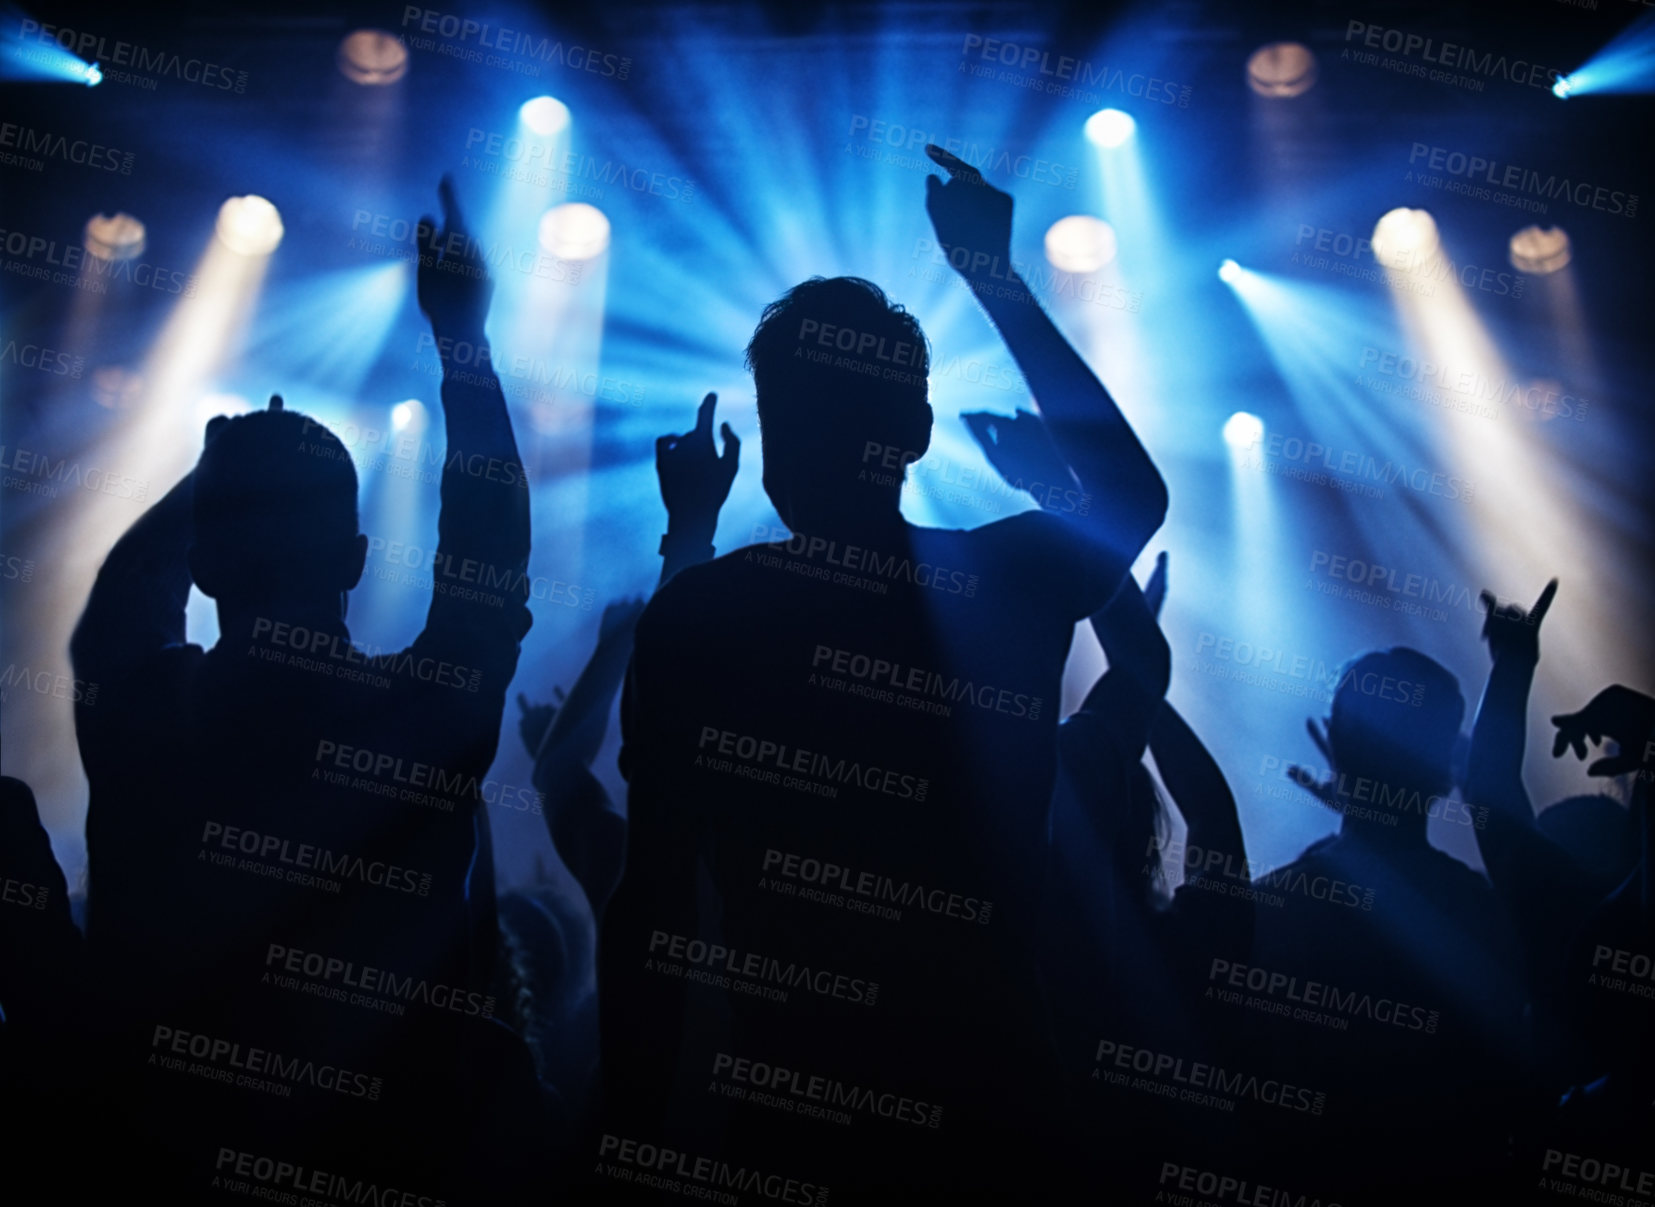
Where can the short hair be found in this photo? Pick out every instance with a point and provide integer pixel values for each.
(1397, 714)
(273, 490)
(835, 345)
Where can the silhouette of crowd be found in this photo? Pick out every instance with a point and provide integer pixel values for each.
(875, 921)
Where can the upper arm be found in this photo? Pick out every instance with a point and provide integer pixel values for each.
(1059, 560)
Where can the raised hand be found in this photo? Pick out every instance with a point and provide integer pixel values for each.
(453, 283)
(695, 479)
(1512, 633)
(1155, 590)
(535, 719)
(1618, 714)
(1326, 791)
(971, 217)
(620, 618)
(1019, 447)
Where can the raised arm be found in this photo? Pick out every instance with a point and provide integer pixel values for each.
(137, 604)
(483, 524)
(1494, 774)
(1140, 661)
(587, 831)
(972, 220)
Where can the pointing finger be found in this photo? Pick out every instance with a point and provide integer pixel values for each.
(704, 417)
(1544, 603)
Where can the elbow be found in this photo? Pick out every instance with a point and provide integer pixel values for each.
(1148, 513)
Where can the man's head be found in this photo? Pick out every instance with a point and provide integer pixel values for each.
(275, 513)
(1396, 719)
(840, 372)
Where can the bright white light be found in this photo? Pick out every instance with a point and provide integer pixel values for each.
(1243, 430)
(1405, 238)
(407, 414)
(211, 406)
(574, 231)
(114, 237)
(1540, 249)
(1562, 88)
(544, 115)
(1080, 243)
(372, 56)
(94, 76)
(1281, 69)
(250, 226)
(1229, 272)
(1110, 127)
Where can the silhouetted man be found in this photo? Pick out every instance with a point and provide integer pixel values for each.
(850, 725)
(1405, 974)
(287, 848)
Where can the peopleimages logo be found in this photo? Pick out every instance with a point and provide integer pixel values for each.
(1303, 999)
(1222, 1188)
(286, 1179)
(228, 1061)
(655, 1166)
(754, 967)
(820, 874)
(1173, 1077)
(813, 1095)
(300, 859)
(331, 977)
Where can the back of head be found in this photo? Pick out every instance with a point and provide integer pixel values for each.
(1597, 835)
(1396, 718)
(275, 510)
(841, 377)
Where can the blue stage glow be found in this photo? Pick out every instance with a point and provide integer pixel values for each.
(1109, 127)
(27, 55)
(1229, 272)
(1626, 65)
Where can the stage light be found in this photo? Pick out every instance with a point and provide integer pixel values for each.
(1405, 238)
(114, 237)
(1562, 88)
(574, 231)
(544, 115)
(1540, 249)
(1281, 69)
(25, 55)
(1229, 272)
(409, 414)
(372, 56)
(1080, 243)
(1243, 430)
(250, 226)
(1109, 127)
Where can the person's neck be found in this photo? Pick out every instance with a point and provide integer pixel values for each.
(873, 526)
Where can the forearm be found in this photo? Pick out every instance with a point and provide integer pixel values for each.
(1494, 772)
(137, 604)
(577, 731)
(1196, 784)
(485, 513)
(1133, 641)
(688, 542)
(1130, 498)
